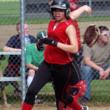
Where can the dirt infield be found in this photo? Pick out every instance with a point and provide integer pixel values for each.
(8, 30)
(45, 107)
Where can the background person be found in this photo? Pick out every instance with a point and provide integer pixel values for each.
(14, 61)
(95, 64)
(76, 11)
(34, 57)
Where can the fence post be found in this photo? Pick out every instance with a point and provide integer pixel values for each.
(23, 48)
(90, 3)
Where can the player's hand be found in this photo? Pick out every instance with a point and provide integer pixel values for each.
(88, 9)
(45, 41)
(39, 43)
(49, 41)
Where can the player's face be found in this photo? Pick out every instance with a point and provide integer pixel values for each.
(59, 14)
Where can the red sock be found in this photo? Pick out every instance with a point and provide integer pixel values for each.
(26, 106)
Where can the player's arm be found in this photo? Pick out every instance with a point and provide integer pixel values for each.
(73, 46)
(10, 49)
(77, 13)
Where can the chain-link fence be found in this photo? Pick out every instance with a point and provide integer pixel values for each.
(10, 88)
(36, 14)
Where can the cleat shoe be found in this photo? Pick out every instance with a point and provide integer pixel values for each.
(39, 101)
(85, 108)
(83, 101)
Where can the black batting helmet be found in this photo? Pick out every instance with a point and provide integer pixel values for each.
(61, 4)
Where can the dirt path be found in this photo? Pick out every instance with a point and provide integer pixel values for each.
(8, 30)
(46, 107)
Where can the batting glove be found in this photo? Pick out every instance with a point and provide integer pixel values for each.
(45, 41)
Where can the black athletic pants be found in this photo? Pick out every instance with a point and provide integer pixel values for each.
(61, 76)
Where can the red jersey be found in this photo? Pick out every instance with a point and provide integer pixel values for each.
(53, 54)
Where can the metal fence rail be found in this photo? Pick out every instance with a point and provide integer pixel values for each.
(10, 79)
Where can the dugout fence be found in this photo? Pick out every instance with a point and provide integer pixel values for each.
(35, 13)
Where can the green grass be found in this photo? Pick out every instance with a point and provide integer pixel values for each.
(7, 8)
(93, 18)
(10, 14)
(100, 92)
(14, 19)
(9, 0)
(3, 62)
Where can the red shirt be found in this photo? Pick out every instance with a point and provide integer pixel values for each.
(53, 54)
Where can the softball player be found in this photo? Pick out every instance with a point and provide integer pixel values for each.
(58, 64)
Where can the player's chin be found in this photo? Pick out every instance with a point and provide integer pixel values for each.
(58, 19)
